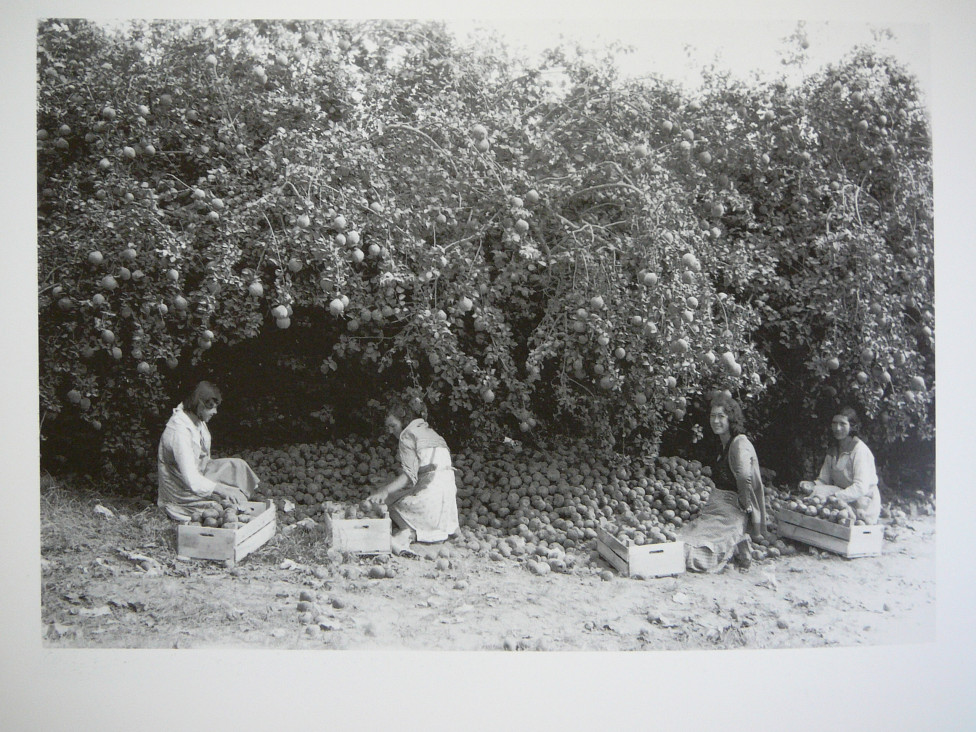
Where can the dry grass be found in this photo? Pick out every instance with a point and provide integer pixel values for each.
(306, 546)
(67, 520)
(70, 524)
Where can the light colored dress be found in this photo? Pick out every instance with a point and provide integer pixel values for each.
(855, 474)
(187, 474)
(432, 510)
(710, 540)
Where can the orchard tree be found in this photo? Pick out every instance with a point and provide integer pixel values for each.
(520, 249)
(832, 240)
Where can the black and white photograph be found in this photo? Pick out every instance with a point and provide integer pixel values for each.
(437, 347)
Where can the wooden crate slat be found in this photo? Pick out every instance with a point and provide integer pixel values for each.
(865, 541)
(259, 519)
(253, 542)
(618, 563)
(812, 522)
(611, 541)
(814, 538)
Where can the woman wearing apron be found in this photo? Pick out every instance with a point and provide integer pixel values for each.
(422, 499)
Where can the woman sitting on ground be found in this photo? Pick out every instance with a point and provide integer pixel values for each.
(735, 511)
(848, 472)
(422, 499)
(189, 479)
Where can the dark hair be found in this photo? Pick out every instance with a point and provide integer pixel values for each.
(202, 393)
(403, 412)
(852, 419)
(732, 410)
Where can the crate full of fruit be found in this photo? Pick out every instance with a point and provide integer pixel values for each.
(640, 560)
(227, 535)
(845, 536)
(360, 529)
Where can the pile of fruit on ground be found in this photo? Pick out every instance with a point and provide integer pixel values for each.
(513, 501)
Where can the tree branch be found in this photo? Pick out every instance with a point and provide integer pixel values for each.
(617, 184)
(429, 139)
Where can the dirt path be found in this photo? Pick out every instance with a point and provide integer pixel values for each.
(798, 601)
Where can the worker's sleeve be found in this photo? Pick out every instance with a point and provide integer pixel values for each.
(825, 478)
(409, 460)
(186, 461)
(741, 462)
(865, 475)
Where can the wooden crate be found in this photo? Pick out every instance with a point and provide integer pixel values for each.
(361, 536)
(848, 541)
(204, 542)
(646, 560)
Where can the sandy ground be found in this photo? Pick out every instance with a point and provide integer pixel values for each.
(108, 599)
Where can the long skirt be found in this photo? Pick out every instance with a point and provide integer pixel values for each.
(432, 511)
(229, 471)
(710, 539)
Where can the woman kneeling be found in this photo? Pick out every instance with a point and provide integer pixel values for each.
(422, 499)
(189, 479)
(735, 511)
(848, 472)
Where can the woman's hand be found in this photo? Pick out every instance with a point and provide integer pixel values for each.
(230, 493)
(378, 497)
(821, 490)
(392, 490)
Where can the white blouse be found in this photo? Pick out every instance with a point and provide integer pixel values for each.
(184, 451)
(852, 471)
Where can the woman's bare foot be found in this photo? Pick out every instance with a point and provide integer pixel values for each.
(743, 555)
(401, 541)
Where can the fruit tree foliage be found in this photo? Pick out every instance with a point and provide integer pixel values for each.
(520, 248)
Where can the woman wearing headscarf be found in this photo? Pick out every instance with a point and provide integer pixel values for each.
(735, 512)
(189, 479)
